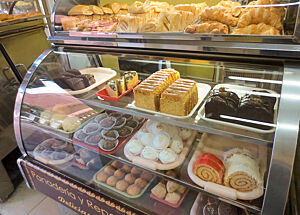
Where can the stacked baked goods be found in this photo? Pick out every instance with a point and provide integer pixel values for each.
(72, 79)
(106, 129)
(239, 171)
(158, 142)
(166, 92)
(9, 17)
(255, 109)
(229, 17)
(131, 181)
(120, 85)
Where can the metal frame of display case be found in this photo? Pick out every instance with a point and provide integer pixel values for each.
(284, 142)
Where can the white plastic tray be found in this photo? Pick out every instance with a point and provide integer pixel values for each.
(240, 91)
(101, 75)
(217, 145)
(203, 90)
(157, 165)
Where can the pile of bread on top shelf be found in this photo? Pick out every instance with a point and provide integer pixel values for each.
(9, 17)
(227, 17)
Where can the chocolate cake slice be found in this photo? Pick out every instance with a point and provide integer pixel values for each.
(221, 102)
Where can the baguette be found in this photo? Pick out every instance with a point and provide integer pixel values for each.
(80, 10)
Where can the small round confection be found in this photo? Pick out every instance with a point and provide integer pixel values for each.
(122, 185)
(167, 156)
(130, 178)
(161, 141)
(149, 153)
(102, 177)
(111, 181)
(116, 164)
(133, 190)
(136, 171)
(146, 176)
(119, 174)
(126, 168)
(176, 144)
(71, 123)
(145, 138)
(109, 170)
(140, 182)
(134, 147)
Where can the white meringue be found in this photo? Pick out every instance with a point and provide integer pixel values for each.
(135, 147)
(149, 153)
(167, 156)
(176, 144)
(146, 138)
(161, 141)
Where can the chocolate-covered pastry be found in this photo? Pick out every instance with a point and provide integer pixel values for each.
(227, 209)
(221, 102)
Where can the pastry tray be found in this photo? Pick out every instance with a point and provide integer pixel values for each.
(240, 91)
(103, 94)
(203, 90)
(121, 140)
(101, 75)
(156, 165)
(168, 203)
(118, 191)
(209, 143)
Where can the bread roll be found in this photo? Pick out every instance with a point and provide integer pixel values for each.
(115, 7)
(96, 10)
(80, 10)
(107, 10)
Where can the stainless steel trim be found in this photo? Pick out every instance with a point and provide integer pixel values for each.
(22, 171)
(285, 143)
(20, 96)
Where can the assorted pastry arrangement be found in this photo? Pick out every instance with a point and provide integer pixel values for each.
(119, 86)
(240, 170)
(107, 130)
(87, 160)
(162, 144)
(227, 17)
(10, 17)
(164, 91)
(129, 181)
(257, 108)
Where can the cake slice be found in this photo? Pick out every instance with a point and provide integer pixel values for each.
(112, 88)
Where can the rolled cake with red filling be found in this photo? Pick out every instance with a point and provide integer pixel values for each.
(209, 168)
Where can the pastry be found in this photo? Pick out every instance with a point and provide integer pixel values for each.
(121, 85)
(257, 29)
(80, 10)
(93, 139)
(176, 144)
(120, 123)
(126, 168)
(135, 147)
(91, 128)
(172, 186)
(110, 134)
(133, 190)
(109, 170)
(209, 168)
(131, 79)
(221, 102)
(57, 120)
(161, 141)
(196, 9)
(185, 133)
(147, 176)
(140, 182)
(96, 10)
(242, 173)
(108, 145)
(45, 117)
(149, 153)
(159, 190)
(112, 181)
(128, 116)
(234, 7)
(167, 156)
(280, 11)
(219, 14)
(102, 177)
(173, 198)
(108, 123)
(122, 185)
(112, 88)
(71, 123)
(145, 138)
(80, 135)
(132, 124)
(130, 178)
(208, 27)
(125, 131)
(116, 115)
(6, 17)
(107, 10)
(116, 164)
(136, 171)
(181, 189)
(114, 6)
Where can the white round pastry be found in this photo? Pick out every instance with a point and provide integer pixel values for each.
(185, 133)
(135, 147)
(153, 127)
(167, 156)
(176, 144)
(161, 141)
(149, 153)
(146, 138)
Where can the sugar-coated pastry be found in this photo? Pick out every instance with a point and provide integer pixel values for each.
(71, 123)
(119, 174)
(136, 171)
(130, 178)
(149, 153)
(147, 176)
(111, 181)
(145, 138)
(167, 156)
(122, 185)
(140, 182)
(135, 147)
(185, 133)
(133, 190)
(181, 189)
(116, 164)
(159, 190)
(161, 141)
(176, 144)
(172, 197)
(102, 176)
(109, 170)
(172, 186)
(126, 168)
